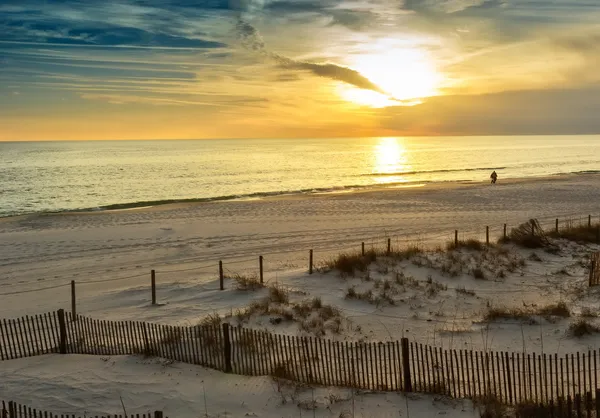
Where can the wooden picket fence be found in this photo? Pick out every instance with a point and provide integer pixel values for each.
(401, 365)
(14, 410)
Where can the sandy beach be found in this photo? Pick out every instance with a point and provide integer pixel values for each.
(51, 249)
(109, 255)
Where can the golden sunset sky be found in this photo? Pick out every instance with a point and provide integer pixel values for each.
(151, 69)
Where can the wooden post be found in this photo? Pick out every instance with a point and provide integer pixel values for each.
(389, 247)
(598, 234)
(487, 235)
(73, 304)
(153, 285)
(226, 348)
(63, 332)
(556, 227)
(310, 261)
(221, 275)
(260, 267)
(504, 234)
(589, 221)
(456, 237)
(578, 404)
(532, 227)
(12, 410)
(406, 365)
(362, 248)
(509, 383)
(158, 414)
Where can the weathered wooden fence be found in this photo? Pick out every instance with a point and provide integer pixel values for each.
(391, 366)
(14, 410)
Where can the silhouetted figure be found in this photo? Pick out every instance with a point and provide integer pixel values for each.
(494, 176)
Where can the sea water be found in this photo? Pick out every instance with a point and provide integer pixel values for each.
(96, 175)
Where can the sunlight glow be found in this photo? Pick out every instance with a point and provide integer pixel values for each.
(390, 160)
(405, 73)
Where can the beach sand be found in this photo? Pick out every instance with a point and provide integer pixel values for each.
(109, 255)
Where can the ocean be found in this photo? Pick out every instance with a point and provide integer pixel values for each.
(100, 175)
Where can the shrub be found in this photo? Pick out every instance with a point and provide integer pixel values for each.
(559, 309)
(582, 327)
(278, 294)
(247, 282)
(587, 312)
(465, 291)
(504, 313)
(349, 264)
(582, 233)
(478, 273)
(470, 244)
(213, 319)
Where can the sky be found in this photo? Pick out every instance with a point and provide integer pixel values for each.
(161, 69)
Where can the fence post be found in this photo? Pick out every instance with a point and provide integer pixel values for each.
(598, 234)
(362, 246)
(63, 332)
(260, 267)
(406, 365)
(589, 221)
(532, 227)
(487, 235)
(227, 347)
(578, 404)
(310, 261)
(456, 237)
(509, 383)
(504, 234)
(556, 227)
(221, 275)
(158, 414)
(389, 246)
(12, 410)
(153, 285)
(73, 304)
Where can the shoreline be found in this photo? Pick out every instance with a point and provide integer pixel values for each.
(345, 191)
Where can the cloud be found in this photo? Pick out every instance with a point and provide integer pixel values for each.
(251, 39)
(534, 112)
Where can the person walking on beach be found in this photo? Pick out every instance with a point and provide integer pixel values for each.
(494, 176)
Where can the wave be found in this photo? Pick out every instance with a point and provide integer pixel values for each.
(259, 195)
(451, 170)
(586, 172)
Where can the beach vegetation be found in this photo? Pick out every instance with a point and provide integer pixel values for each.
(469, 244)
(408, 252)
(529, 234)
(464, 291)
(499, 313)
(581, 328)
(558, 309)
(249, 282)
(587, 312)
(478, 273)
(578, 233)
(348, 264)
(279, 294)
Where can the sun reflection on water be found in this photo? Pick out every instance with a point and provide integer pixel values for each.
(390, 161)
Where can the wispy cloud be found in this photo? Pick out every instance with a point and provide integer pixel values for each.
(252, 40)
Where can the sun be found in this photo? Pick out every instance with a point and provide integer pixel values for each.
(406, 74)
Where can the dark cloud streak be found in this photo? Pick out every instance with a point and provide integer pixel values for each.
(251, 39)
